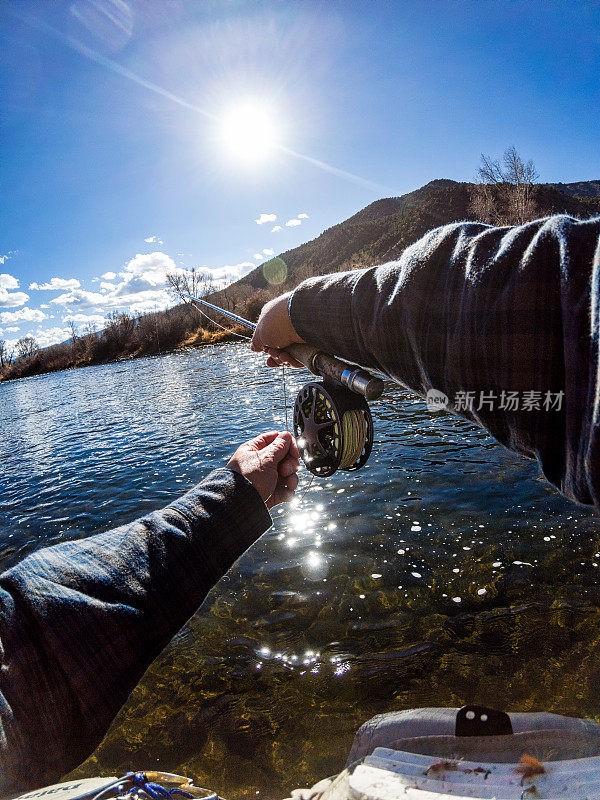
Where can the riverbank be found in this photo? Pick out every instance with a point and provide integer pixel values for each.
(88, 351)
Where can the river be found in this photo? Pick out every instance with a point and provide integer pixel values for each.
(446, 571)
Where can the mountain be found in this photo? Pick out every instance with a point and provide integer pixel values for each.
(578, 189)
(382, 230)
(377, 233)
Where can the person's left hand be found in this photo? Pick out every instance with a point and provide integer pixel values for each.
(270, 462)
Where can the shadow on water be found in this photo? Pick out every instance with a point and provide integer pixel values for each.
(447, 571)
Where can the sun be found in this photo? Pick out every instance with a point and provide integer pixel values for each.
(249, 131)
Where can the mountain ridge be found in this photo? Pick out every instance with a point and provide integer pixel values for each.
(373, 235)
(383, 229)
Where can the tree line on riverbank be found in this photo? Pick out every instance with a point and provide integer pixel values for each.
(123, 337)
(505, 193)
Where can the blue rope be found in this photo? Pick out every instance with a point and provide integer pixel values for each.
(141, 784)
(140, 787)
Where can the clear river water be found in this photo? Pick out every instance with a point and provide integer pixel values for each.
(446, 571)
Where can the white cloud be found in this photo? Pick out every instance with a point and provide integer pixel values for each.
(268, 252)
(109, 276)
(8, 281)
(85, 319)
(56, 285)
(129, 295)
(23, 315)
(139, 288)
(12, 329)
(153, 302)
(143, 285)
(153, 267)
(44, 305)
(5, 258)
(276, 228)
(156, 239)
(265, 218)
(80, 297)
(56, 335)
(258, 256)
(12, 299)
(293, 223)
(223, 276)
(302, 216)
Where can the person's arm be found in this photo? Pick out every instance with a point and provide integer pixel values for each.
(475, 309)
(81, 621)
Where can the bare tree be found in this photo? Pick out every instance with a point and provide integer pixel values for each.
(73, 328)
(6, 355)
(119, 328)
(228, 297)
(27, 346)
(505, 191)
(484, 205)
(189, 283)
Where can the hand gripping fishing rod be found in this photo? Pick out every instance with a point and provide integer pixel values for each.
(332, 419)
(325, 366)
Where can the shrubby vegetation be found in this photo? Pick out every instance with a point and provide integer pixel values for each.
(504, 194)
(125, 337)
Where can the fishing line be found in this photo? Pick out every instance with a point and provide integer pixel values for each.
(283, 383)
(287, 427)
(223, 328)
(332, 423)
(248, 339)
(354, 434)
(283, 376)
(333, 428)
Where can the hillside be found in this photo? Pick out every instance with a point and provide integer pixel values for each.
(377, 233)
(578, 189)
(382, 230)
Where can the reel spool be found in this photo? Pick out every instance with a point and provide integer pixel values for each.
(333, 428)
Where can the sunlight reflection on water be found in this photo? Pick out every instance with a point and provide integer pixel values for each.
(445, 571)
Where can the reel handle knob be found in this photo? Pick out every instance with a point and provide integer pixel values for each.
(354, 378)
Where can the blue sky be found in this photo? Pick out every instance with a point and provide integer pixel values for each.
(138, 136)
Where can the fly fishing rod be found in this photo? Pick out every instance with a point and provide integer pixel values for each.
(332, 419)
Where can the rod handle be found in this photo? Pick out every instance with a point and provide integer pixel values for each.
(319, 363)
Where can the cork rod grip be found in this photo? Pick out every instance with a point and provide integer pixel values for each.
(356, 379)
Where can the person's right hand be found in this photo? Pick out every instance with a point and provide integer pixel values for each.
(274, 331)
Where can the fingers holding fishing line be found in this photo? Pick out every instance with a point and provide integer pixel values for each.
(270, 462)
(262, 440)
(294, 453)
(287, 467)
(282, 494)
(280, 358)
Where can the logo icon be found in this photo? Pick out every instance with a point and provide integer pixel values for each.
(436, 400)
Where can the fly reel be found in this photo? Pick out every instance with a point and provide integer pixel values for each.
(333, 428)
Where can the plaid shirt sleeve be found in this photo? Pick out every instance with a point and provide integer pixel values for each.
(478, 312)
(81, 621)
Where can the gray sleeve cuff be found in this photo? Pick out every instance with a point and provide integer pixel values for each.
(243, 515)
(321, 312)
